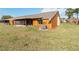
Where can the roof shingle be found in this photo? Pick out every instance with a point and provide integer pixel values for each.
(45, 15)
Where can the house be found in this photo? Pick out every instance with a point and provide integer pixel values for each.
(4, 21)
(63, 20)
(73, 21)
(50, 19)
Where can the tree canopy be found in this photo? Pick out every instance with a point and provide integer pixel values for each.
(76, 11)
(6, 17)
(69, 12)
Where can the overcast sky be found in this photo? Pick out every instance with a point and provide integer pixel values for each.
(28, 11)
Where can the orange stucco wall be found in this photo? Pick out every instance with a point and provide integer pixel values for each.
(10, 22)
(35, 22)
(46, 22)
(54, 21)
(50, 25)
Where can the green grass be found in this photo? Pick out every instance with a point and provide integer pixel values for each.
(63, 38)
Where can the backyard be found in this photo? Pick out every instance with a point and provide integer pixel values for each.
(63, 38)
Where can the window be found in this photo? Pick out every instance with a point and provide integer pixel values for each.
(40, 21)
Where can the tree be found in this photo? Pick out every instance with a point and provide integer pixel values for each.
(6, 17)
(76, 11)
(69, 12)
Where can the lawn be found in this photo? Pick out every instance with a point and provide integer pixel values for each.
(63, 38)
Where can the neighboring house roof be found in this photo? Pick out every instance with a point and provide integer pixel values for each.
(45, 15)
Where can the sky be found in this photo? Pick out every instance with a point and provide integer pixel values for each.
(61, 11)
(28, 11)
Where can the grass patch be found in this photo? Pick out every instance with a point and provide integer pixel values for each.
(65, 37)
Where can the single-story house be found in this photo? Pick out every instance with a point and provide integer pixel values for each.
(50, 19)
(73, 21)
(63, 20)
(4, 21)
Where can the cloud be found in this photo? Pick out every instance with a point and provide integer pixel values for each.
(48, 9)
(61, 11)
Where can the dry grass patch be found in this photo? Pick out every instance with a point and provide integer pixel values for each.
(64, 37)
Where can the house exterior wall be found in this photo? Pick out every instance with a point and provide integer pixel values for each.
(55, 21)
(35, 22)
(46, 22)
(58, 21)
(11, 22)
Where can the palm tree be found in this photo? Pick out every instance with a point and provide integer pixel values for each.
(69, 12)
(76, 11)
